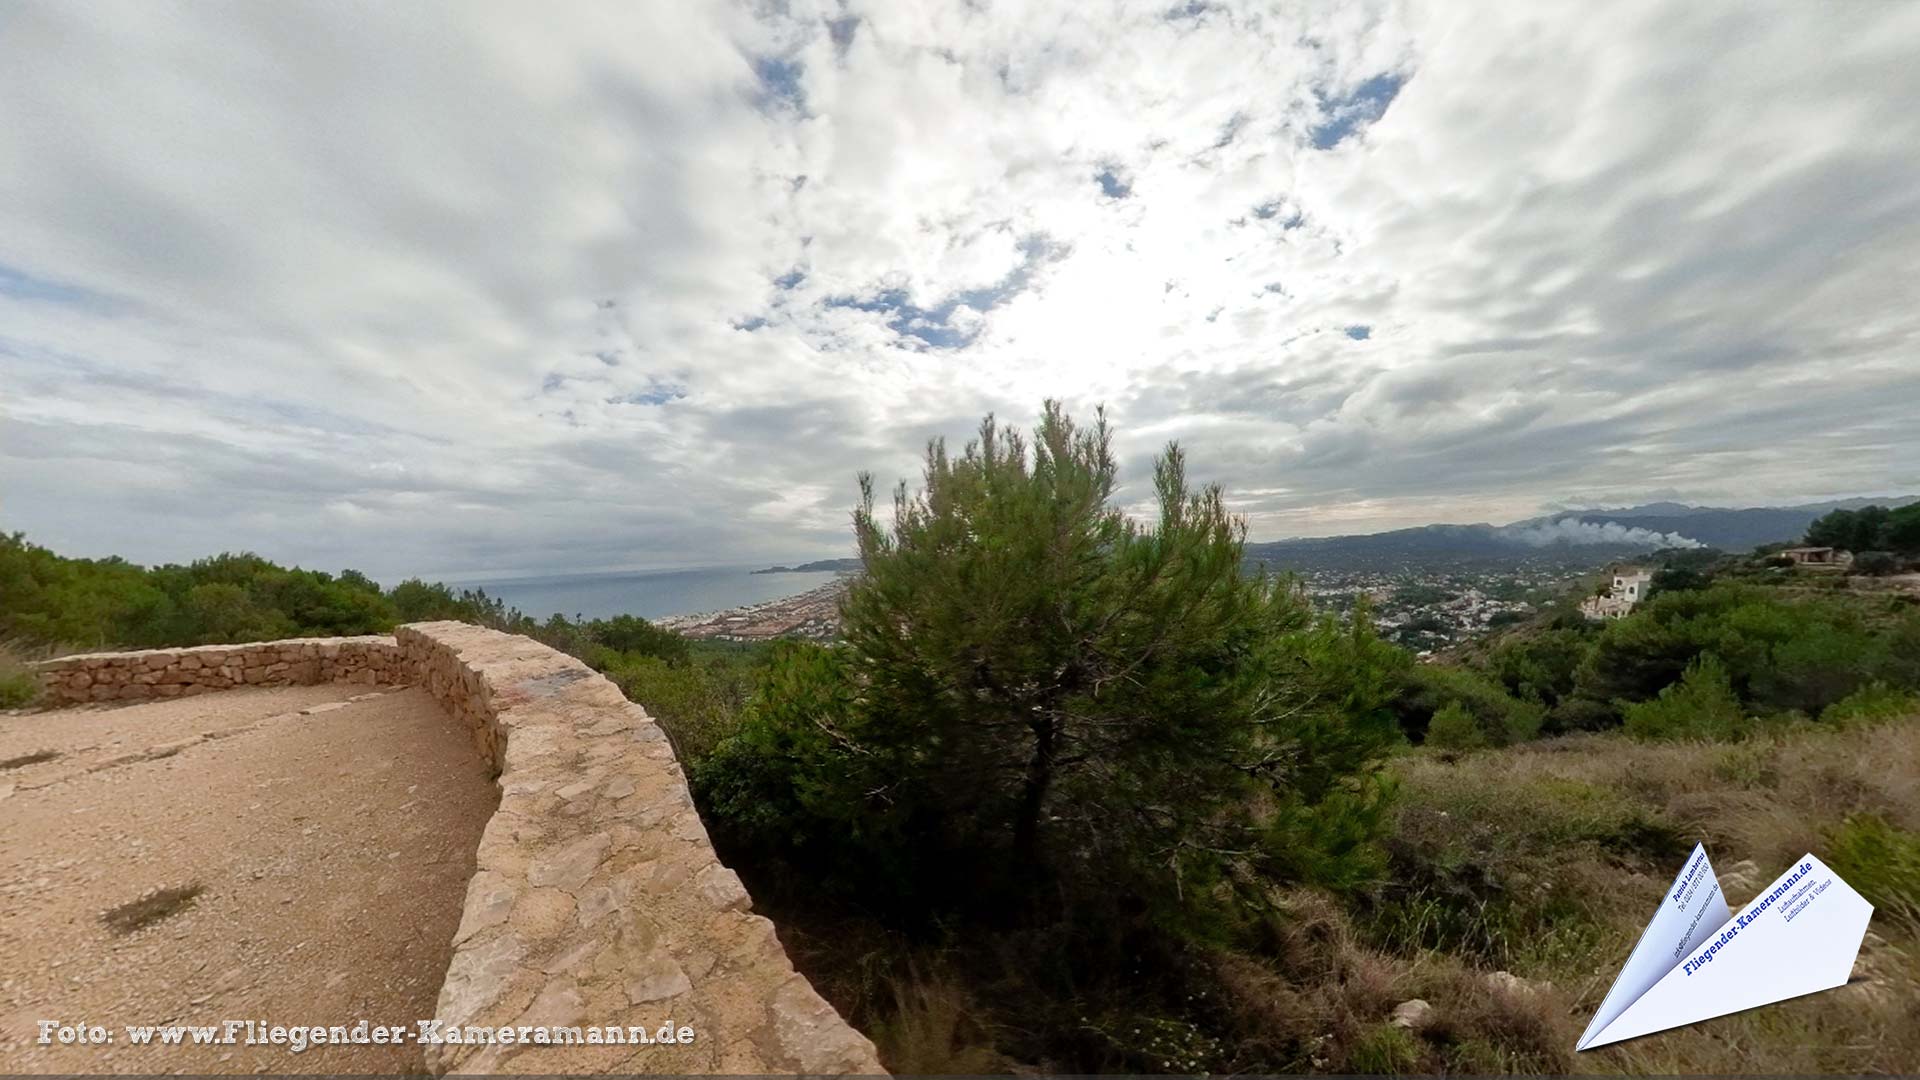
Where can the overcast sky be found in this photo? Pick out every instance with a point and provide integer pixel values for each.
(522, 287)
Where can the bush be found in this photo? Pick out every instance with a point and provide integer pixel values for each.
(1384, 1050)
(636, 636)
(1454, 728)
(1880, 860)
(1701, 705)
(698, 702)
(1582, 714)
(1428, 688)
(1876, 563)
(19, 687)
(1872, 704)
(1541, 666)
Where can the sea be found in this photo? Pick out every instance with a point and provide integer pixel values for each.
(651, 594)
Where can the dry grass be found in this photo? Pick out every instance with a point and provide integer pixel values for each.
(1768, 798)
(1546, 825)
(1325, 1005)
(935, 1029)
(1541, 860)
(19, 687)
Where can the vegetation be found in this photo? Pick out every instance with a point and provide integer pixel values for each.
(1784, 652)
(50, 603)
(1701, 705)
(1543, 859)
(1066, 760)
(48, 600)
(1454, 728)
(1870, 528)
(1021, 670)
(18, 687)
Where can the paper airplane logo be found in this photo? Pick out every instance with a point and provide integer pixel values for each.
(1699, 959)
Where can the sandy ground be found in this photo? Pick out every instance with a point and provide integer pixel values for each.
(333, 848)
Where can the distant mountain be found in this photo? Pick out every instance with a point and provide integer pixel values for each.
(836, 566)
(1568, 538)
(1727, 529)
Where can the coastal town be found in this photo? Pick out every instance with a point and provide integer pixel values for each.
(813, 615)
(1422, 611)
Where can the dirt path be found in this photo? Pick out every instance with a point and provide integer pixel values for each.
(331, 849)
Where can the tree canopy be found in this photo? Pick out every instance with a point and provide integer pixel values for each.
(1034, 688)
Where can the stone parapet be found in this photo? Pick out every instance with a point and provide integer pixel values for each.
(597, 900)
(162, 673)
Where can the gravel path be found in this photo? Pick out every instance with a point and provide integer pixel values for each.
(331, 848)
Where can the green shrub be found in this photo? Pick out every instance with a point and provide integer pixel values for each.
(1881, 861)
(1541, 666)
(1454, 728)
(19, 687)
(1702, 705)
(1383, 1050)
(699, 702)
(1428, 688)
(1872, 704)
(636, 636)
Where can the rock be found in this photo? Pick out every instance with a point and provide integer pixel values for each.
(1412, 1015)
(477, 977)
(489, 899)
(594, 904)
(559, 1004)
(576, 959)
(721, 887)
(575, 790)
(1739, 881)
(569, 867)
(811, 1036)
(658, 977)
(1508, 983)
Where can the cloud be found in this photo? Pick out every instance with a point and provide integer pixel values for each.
(457, 289)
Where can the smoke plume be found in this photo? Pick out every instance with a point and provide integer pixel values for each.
(1575, 531)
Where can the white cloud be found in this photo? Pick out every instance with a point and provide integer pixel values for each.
(465, 288)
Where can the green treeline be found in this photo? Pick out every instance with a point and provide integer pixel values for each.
(1870, 529)
(52, 603)
(49, 600)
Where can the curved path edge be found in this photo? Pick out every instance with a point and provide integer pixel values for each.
(598, 906)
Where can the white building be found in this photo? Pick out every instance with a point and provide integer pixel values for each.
(1629, 588)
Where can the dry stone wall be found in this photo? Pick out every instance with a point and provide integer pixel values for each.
(163, 673)
(597, 900)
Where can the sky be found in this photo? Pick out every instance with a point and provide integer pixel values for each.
(473, 289)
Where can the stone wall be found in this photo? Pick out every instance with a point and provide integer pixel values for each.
(597, 899)
(162, 673)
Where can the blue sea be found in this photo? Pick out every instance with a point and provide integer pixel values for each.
(652, 594)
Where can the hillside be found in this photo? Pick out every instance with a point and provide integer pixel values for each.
(836, 566)
(1728, 529)
(1573, 539)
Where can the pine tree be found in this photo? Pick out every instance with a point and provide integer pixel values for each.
(1030, 680)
